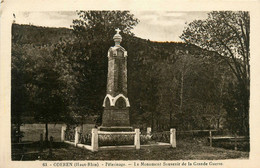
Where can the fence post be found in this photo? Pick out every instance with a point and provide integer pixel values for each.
(50, 149)
(149, 130)
(137, 138)
(210, 138)
(41, 143)
(62, 138)
(173, 137)
(76, 141)
(235, 141)
(94, 139)
(44, 134)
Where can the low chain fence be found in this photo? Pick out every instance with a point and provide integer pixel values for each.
(96, 139)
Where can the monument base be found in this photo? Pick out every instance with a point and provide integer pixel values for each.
(115, 117)
(116, 129)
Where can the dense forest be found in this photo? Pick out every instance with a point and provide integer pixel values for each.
(60, 75)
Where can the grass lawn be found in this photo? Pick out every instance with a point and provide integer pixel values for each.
(186, 150)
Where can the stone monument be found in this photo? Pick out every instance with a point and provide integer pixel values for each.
(116, 104)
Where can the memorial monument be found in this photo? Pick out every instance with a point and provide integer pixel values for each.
(116, 104)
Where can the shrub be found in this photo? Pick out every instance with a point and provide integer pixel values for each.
(16, 136)
(85, 139)
(161, 136)
(145, 139)
(70, 135)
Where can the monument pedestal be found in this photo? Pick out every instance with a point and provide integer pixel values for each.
(116, 129)
(116, 119)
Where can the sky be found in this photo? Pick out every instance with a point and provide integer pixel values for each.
(153, 25)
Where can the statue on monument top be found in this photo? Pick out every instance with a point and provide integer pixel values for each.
(117, 37)
(117, 31)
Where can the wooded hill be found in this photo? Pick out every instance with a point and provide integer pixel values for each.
(55, 73)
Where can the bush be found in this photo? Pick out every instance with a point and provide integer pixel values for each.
(70, 135)
(145, 139)
(85, 139)
(161, 137)
(16, 136)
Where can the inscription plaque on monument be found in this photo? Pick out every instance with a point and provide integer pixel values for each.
(116, 104)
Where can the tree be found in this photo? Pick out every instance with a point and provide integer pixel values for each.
(48, 95)
(85, 56)
(227, 33)
(75, 71)
(40, 88)
(20, 99)
(100, 25)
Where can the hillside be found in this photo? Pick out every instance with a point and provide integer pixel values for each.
(169, 84)
(29, 34)
(37, 35)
